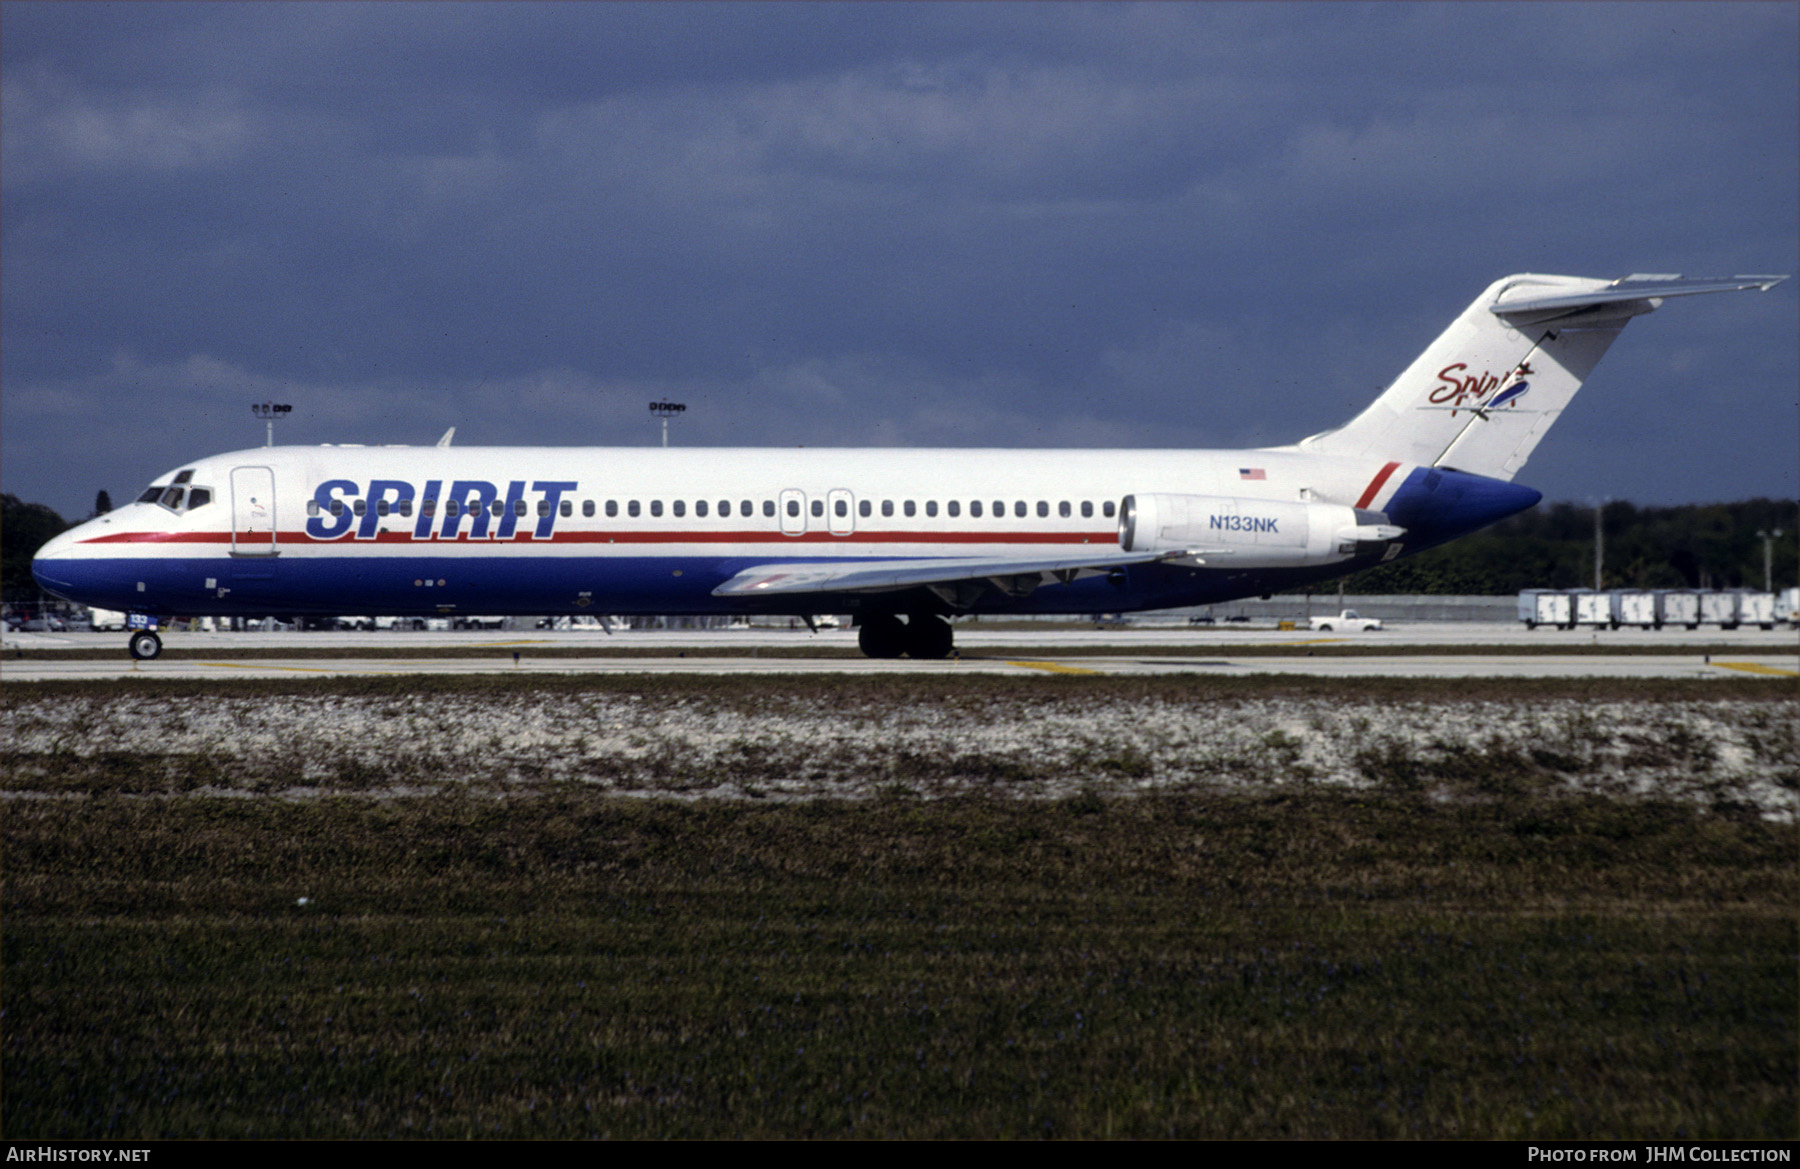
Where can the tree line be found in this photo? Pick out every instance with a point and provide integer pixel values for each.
(1713, 545)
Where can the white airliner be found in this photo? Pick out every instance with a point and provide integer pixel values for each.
(901, 539)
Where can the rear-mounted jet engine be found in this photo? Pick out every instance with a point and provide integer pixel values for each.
(1252, 533)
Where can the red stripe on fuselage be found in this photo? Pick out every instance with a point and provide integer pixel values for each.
(172, 538)
(1374, 487)
(628, 537)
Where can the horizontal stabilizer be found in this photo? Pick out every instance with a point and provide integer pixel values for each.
(1634, 287)
(879, 576)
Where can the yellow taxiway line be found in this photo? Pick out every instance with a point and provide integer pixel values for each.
(1754, 668)
(1054, 667)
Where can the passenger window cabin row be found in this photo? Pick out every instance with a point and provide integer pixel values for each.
(180, 497)
(703, 509)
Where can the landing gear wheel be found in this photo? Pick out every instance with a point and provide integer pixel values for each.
(144, 645)
(928, 638)
(881, 635)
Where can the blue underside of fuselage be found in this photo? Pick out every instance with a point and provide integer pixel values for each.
(1433, 505)
(1436, 505)
(504, 585)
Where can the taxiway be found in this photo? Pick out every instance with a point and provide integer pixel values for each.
(1468, 650)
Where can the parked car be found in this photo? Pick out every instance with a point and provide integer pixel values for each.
(1347, 620)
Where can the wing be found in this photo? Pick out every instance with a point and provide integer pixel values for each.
(1014, 576)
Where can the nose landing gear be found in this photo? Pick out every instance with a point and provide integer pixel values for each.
(144, 645)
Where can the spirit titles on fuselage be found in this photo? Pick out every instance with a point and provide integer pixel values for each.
(488, 513)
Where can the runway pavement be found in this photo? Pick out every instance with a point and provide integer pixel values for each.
(1133, 650)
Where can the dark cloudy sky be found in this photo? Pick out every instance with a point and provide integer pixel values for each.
(889, 224)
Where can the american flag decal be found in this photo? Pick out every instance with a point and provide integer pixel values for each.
(1251, 473)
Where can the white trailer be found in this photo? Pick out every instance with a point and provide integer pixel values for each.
(1546, 607)
(1755, 608)
(1638, 607)
(1787, 606)
(1596, 609)
(1679, 607)
(1719, 608)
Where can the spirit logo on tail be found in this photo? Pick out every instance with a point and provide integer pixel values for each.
(1456, 393)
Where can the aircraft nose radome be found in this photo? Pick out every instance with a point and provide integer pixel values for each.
(44, 572)
(50, 567)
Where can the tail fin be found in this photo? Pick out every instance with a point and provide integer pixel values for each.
(1482, 396)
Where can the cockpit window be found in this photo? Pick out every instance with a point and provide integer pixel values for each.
(177, 498)
(186, 476)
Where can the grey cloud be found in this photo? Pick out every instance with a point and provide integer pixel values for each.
(941, 223)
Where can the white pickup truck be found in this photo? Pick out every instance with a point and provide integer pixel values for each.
(1346, 620)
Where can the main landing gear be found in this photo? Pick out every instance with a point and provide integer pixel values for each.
(920, 636)
(144, 645)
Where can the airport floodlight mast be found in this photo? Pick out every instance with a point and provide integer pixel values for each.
(269, 412)
(1599, 535)
(666, 411)
(1768, 538)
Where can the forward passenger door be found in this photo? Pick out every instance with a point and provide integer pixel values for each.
(253, 531)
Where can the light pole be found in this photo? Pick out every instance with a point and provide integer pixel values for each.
(1768, 539)
(1599, 538)
(666, 411)
(268, 412)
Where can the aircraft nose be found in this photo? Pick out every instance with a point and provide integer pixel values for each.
(50, 559)
(57, 545)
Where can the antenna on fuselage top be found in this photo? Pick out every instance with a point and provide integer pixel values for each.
(448, 435)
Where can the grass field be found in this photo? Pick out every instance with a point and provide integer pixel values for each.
(1101, 907)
